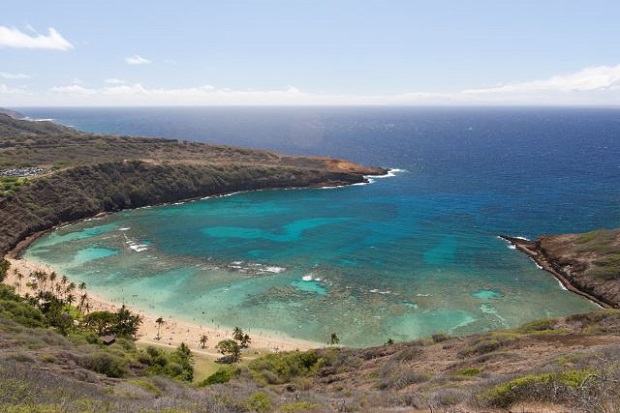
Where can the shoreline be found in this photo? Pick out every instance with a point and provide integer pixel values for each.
(530, 249)
(173, 331)
(178, 330)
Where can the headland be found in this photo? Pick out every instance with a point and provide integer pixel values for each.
(585, 264)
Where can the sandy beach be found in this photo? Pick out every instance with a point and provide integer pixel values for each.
(173, 332)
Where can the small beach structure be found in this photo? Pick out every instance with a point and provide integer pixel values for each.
(108, 339)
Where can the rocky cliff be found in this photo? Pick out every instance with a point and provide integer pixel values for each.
(587, 264)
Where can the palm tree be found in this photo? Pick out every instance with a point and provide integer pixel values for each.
(245, 342)
(83, 301)
(69, 288)
(70, 299)
(159, 322)
(203, 341)
(82, 286)
(20, 277)
(60, 287)
(41, 278)
(333, 340)
(238, 334)
(53, 277)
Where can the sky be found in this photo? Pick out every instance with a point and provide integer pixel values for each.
(319, 52)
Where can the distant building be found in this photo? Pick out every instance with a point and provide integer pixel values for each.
(22, 172)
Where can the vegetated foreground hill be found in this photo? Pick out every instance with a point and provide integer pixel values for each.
(553, 365)
(50, 174)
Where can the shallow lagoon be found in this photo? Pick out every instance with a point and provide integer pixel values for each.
(303, 277)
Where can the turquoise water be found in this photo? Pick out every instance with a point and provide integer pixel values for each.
(401, 258)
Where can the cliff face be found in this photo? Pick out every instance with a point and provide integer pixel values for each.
(587, 264)
(89, 174)
(590, 261)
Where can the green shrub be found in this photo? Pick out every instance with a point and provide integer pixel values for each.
(538, 325)
(22, 313)
(541, 387)
(299, 407)
(489, 343)
(439, 337)
(85, 337)
(281, 368)
(105, 363)
(176, 364)
(48, 358)
(258, 402)
(471, 372)
(221, 376)
(148, 386)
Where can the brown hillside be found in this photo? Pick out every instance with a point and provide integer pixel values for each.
(78, 175)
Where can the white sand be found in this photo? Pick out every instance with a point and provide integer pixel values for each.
(173, 332)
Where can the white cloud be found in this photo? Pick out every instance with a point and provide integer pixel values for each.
(137, 60)
(114, 81)
(5, 90)
(591, 86)
(598, 78)
(74, 90)
(7, 75)
(11, 37)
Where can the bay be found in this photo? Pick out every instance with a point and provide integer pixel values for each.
(401, 258)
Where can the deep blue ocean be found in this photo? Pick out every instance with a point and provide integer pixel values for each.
(401, 258)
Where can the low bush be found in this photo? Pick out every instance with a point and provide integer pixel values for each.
(299, 407)
(489, 343)
(176, 364)
(105, 363)
(538, 325)
(281, 368)
(447, 397)
(409, 353)
(548, 387)
(22, 313)
(470, 372)
(439, 337)
(221, 376)
(258, 402)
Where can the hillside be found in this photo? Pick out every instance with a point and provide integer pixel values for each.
(50, 174)
(553, 365)
(587, 264)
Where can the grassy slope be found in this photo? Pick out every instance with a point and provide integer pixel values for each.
(549, 365)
